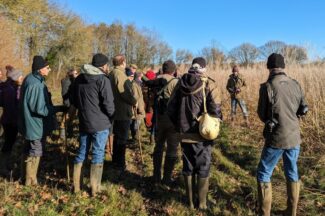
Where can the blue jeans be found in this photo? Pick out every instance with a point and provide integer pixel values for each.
(270, 157)
(97, 141)
(242, 105)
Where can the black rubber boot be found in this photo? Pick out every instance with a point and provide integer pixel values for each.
(168, 170)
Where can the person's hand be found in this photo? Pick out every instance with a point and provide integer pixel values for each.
(237, 90)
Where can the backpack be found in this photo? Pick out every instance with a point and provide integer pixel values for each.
(161, 99)
(209, 127)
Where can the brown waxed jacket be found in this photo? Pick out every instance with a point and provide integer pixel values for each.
(139, 109)
(287, 96)
(235, 83)
(124, 98)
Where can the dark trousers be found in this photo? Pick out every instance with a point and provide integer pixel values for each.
(197, 158)
(121, 133)
(10, 135)
(35, 148)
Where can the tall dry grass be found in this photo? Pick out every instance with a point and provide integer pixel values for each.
(312, 80)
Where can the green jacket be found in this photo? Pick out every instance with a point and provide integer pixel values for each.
(35, 109)
(286, 95)
(235, 83)
(124, 98)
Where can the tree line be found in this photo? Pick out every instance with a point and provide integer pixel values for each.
(31, 27)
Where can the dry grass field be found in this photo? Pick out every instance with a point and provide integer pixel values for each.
(235, 157)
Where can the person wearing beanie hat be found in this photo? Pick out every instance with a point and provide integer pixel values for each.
(151, 75)
(184, 107)
(281, 103)
(92, 96)
(99, 60)
(39, 64)
(235, 86)
(166, 133)
(125, 100)
(10, 93)
(275, 60)
(37, 116)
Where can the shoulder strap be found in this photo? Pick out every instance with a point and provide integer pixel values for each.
(270, 93)
(204, 80)
(165, 86)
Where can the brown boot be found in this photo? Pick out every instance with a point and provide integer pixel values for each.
(203, 188)
(189, 190)
(293, 189)
(264, 198)
(31, 170)
(96, 172)
(77, 169)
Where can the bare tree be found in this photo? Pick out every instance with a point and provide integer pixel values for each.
(295, 54)
(244, 54)
(270, 47)
(183, 56)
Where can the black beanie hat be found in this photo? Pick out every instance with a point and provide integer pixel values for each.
(275, 61)
(99, 60)
(169, 67)
(39, 63)
(201, 61)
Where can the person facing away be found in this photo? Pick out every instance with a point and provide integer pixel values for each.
(184, 107)
(235, 86)
(138, 109)
(94, 100)
(66, 93)
(281, 101)
(36, 116)
(124, 100)
(166, 133)
(9, 99)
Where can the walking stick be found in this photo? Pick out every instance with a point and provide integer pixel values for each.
(139, 141)
(66, 148)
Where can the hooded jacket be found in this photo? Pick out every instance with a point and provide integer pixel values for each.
(186, 105)
(93, 97)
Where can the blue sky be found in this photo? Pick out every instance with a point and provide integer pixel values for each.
(195, 24)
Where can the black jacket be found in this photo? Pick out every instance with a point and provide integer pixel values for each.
(93, 97)
(66, 90)
(186, 103)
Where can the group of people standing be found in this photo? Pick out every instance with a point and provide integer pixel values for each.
(112, 102)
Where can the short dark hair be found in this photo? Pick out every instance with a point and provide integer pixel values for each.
(169, 67)
(118, 60)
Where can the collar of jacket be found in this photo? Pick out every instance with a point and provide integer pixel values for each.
(38, 76)
(274, 74)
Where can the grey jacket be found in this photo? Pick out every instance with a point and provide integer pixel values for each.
(287, 96)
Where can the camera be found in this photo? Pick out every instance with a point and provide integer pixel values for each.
(302, 110)
(270, 125)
